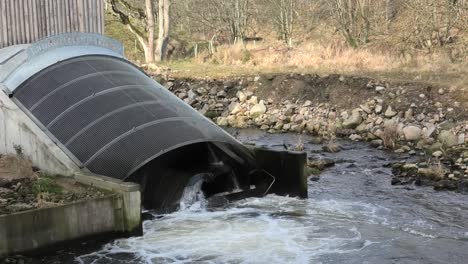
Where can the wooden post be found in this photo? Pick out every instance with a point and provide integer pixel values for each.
(195, 50)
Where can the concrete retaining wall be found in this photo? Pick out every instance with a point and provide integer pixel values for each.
(32, 230)
(117, 214)
(17, 129)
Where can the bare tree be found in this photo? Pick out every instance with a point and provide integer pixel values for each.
(284, 14)
(138, 21)
(353, 19)
(433, 23)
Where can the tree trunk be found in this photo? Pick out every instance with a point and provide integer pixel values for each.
(149, 55)
(164, 30)
(391, 10)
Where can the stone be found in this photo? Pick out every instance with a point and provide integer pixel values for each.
(222, 121)
(461, 138)
(237, 108)
(307, 103)
(355, 137)
(240, 122)
(232, 106)
(242, 97)
(441, 91)
(409, 114)
(379, 89)
(448, 138)
(221, 94)
(191, 94)
(412, 133)
(331, 147)
(378, 109)
(437, 154)
(366, 109)
(376, 143)
(321, 163)
(258, 109)
(253, 100)
(354, 120)
(389, 113)
(298, 118)
(428, 129)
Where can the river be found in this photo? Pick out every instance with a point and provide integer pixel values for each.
(352, 215)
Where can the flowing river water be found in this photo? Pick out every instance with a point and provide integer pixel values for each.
(352, 215)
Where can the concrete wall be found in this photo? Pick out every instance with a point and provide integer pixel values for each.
(118, 214)
(131, 198)
(32, 230)
(17, 129)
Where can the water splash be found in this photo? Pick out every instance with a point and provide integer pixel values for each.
(193, 198)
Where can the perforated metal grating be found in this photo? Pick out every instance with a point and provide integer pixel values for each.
(110, 116)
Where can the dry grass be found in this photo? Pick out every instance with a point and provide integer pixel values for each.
(434, 171)
(299, 144)
(229, 60)
(390, 135)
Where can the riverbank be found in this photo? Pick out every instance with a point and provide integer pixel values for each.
(426, 121)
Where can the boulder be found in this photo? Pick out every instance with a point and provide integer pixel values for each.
(448, 138)
(258, 110)
(412, 133)
(354, 120)
(222, 121)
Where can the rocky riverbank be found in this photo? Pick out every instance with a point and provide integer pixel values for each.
(419, 119)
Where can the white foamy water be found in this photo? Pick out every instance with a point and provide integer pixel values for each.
(267, 230)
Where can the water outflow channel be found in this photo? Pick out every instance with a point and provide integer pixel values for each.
(353, 215)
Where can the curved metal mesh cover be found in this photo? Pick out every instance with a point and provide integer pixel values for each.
(110, 116)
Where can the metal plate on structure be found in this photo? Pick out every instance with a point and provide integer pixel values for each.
(110, 116)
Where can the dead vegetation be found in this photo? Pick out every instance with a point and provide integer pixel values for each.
(390, 135)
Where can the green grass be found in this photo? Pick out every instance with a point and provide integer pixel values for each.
(46, 184)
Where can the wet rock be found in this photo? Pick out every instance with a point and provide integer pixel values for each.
(331, 147)
(376, 143)
(355, 137)
(321, 163)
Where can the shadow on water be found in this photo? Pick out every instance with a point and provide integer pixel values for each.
(353, 215)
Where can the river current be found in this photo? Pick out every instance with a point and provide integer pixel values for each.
(352, 215)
